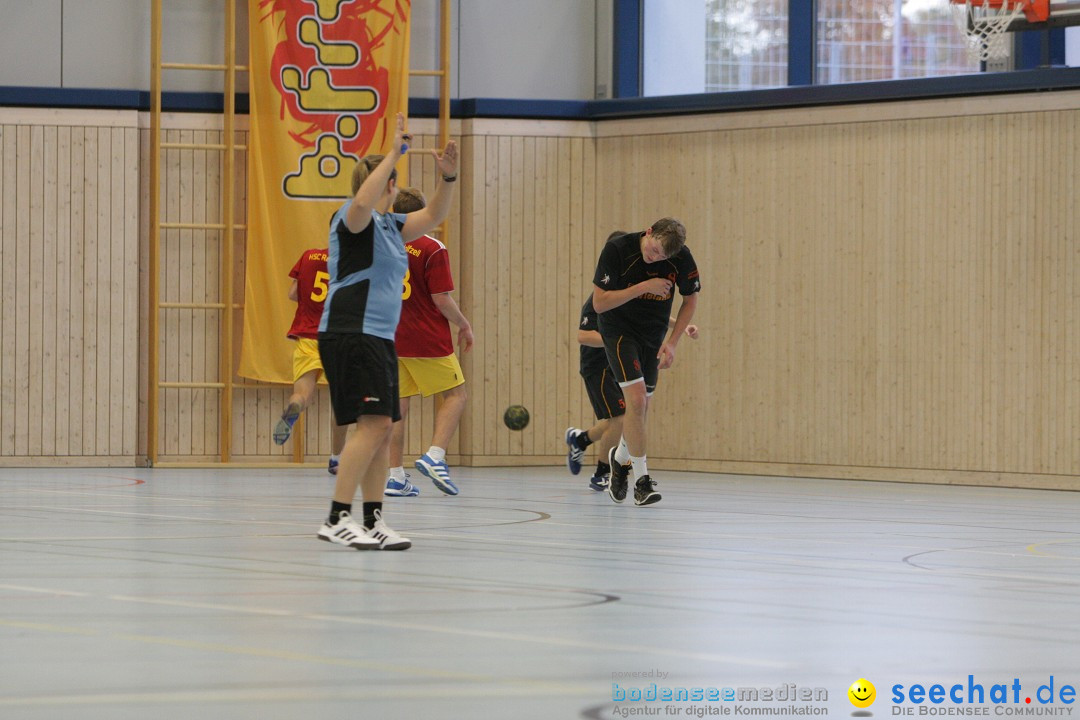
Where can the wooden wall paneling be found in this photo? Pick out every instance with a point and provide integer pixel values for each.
(548, 412)
(526, 278)
(561, 305)
(468, 281)
(1049, 263)
(696, 357)
(78, 379)
(61, 167)
(978, 231)
(1071, 358)
(884, 201)
(35, 286)
(569, 293)
(132, 335)
(199, 318)
(865, 248)
(1067, 350)
(9, 268)
(214, 252)
(503, 286)
(102, 274)
(873, 296)
(186, 422)
(143, 303)
(540, 282)
(488, 298)
(1012, 303)
(22, 293)
(91, 387)
(520, 324)
(50, 291)
(1045, 282)
(583, 417)
(169, 292)
(119, 264)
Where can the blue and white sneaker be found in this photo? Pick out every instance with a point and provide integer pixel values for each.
(574, 454)
(401, 488)
(598, 483)
(284, 426)
(331, 467)
(438, 472)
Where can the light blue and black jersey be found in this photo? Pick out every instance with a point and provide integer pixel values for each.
(366, 270)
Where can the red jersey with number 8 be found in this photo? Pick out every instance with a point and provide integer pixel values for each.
(422, 330)
(311, 285)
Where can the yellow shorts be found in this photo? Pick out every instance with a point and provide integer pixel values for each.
(305, 358)
(428, 376)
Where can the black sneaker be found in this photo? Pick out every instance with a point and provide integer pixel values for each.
(644, 494)
(619, 473)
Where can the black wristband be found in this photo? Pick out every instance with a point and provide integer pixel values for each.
(452, 178)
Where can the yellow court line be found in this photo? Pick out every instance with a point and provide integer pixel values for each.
(1034, 549)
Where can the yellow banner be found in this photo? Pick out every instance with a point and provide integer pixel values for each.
(327, 78)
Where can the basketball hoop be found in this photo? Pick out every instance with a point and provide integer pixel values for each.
(986, 21)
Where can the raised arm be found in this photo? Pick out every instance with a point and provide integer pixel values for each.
(372, 190)
(424, 221)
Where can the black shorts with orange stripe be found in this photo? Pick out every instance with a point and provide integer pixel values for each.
(631, 360)
(604, 394)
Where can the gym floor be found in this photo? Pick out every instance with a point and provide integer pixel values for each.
(132, 593)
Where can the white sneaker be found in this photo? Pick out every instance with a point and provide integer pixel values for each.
(347, 532)
(384, 537)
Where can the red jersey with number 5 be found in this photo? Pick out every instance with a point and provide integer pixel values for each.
(311, 284)
(422, 330)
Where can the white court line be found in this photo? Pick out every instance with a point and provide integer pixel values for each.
(397, 624)
(45, 591)
(411, 692)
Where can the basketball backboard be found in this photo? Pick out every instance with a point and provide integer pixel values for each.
(1062, 13)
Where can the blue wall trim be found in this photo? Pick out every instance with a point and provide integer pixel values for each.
(97, 98)
(626, 49)
(802, 41)
(1037, 80)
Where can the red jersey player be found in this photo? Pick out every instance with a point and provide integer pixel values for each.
(308, 290)
(426, 361)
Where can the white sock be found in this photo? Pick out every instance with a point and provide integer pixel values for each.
(640, 468)
(336, 458)
(622, 453)
(437, 454)
(398, 473)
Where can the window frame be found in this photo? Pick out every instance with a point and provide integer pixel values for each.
(1032, 49)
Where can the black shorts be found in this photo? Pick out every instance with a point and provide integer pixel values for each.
(630, 359)
(363, 375)
(604, 394)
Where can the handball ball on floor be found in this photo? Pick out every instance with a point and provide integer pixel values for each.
(516, 417)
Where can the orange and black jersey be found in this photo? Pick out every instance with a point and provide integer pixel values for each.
(645, 317)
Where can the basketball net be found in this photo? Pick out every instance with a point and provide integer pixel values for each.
(986, 26)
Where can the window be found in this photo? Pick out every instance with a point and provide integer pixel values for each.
(745, 44)
(864, 40)
(696, 46)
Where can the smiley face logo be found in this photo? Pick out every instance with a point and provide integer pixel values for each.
(862, 693)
